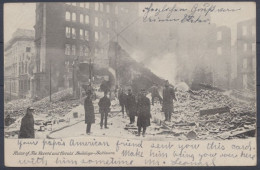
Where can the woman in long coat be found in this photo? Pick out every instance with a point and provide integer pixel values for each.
(143, 113)
(27, 125)
(89, 111)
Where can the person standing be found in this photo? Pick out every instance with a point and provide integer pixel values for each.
(131, 106)
(104, 108)
(27, 125)
(143, 113)
(155, 93)
(168, 97)
(89, 111)
(122, 101)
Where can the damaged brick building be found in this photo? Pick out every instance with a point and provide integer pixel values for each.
(66, 31)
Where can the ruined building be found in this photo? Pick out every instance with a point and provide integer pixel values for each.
(246, 54)
(66, 32)
(19, 55)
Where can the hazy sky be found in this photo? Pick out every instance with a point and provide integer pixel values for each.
(22, 15)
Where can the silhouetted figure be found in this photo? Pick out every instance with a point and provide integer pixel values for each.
(122, 101)
(27, 125)
(143, 112)
(155, 93)
(131, 106)
(89, 111)
(168, 97)
(104, 108)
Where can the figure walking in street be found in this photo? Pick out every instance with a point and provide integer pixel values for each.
(27, 125)
(104, 108)
(143, 113)
(155, 93)
(131, 106)
(168, 97)
(89, 111)
(122, 101)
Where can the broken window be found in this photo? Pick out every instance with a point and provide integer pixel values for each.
(96, 21)
(74, 17)
(86, 19)
(81, 50)
(81, 34)
(96, 36)
(28, 49)
(86, 35)
(73, 50)
(68, 32)
(81, 18)
(73, 30)
(108, 24)
(67, 49)
(67, 16)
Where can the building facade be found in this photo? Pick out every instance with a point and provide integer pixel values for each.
(65, 32)
(19, 55)
(221, 64)
(246, 54)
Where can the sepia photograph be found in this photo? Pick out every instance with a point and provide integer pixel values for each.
(141, 71)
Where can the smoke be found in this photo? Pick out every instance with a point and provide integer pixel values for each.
(165, 67)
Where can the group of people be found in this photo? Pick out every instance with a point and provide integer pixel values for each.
(134, 106)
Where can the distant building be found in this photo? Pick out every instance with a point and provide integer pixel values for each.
(246, 54)
(19, 55)
(221, 64)
(65, 32)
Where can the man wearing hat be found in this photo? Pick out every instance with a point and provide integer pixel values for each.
(104, 108)
(143, 112)
(168, 97)
(131, 106)
(27, 125)
(89, 111)
(155, 93)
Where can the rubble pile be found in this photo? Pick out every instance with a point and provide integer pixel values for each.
(223, 116)
(46, 112)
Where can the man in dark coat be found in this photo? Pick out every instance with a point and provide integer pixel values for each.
(104, 108)
(89, 111)
(131, 106)
(143, 112)
(155, 93)
(27, 125)
(168, 97)
(122, 101)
